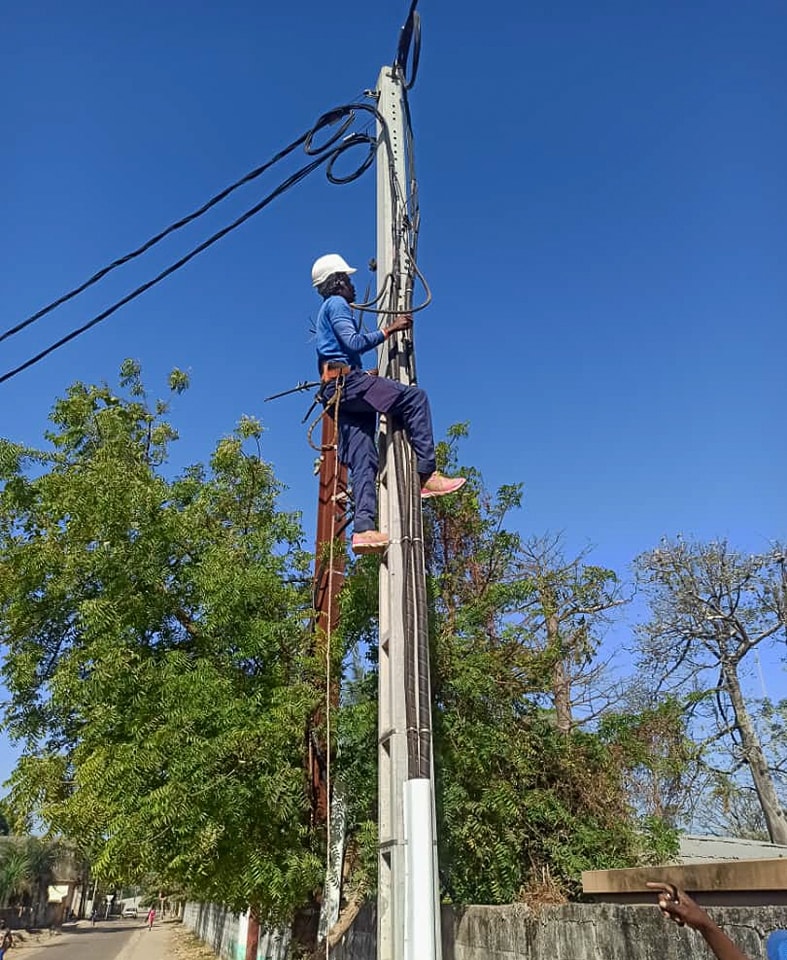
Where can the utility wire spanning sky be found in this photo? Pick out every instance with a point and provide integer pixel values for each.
(604, 228)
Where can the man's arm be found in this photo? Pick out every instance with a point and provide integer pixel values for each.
(356, 342)
(678, 906)
(352, 340)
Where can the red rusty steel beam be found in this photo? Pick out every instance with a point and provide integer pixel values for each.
(331, 520)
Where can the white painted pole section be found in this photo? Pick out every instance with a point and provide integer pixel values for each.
(419, 857)
(332, 891)
(243, 932)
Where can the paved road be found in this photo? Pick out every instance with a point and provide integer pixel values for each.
(104, 941)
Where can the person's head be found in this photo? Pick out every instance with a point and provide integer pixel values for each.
(337, 285)
(331, 277)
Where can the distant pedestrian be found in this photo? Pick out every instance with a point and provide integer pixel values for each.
(151, 917)
(93, 916)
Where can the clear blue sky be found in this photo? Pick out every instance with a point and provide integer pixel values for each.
(604, 227)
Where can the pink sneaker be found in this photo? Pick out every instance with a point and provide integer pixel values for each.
(438, 486)
(370, 541)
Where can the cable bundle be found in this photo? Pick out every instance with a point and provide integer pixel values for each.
(326, 153)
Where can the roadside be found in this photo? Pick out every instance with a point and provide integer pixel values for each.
(168, 940)
(114, 940)
(185, 946)
(28, 939)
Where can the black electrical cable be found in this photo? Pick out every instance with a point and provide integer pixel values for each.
(325, 153)
(422, 607)
(324, 120)
(410, 78)
(414, 609)
(415, 563)
(410, 36)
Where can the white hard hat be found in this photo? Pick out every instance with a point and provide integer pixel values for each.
(325, 266)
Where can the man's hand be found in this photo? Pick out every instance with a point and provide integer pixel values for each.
(677, 905)
(404, 322)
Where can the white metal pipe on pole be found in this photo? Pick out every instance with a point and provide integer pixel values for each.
(420, 926)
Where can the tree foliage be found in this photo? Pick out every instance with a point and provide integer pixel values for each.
(26, 870)
(157, 651)
(520, 800)
(522, 794)
(651, 742)
(568, 607)
(161, 674)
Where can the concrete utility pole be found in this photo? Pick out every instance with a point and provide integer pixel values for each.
(408, 909)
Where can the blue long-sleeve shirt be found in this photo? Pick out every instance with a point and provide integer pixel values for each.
(339, 334)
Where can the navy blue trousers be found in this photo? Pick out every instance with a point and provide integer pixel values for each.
(363, 397)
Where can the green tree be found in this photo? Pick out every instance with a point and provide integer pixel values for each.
(16, 874)
(27, 868)
(157, 658)
(523, 793)
(520, 801)
(569, 605)
(665, 781)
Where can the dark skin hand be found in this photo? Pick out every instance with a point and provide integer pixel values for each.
(677, 905)
(404, 322)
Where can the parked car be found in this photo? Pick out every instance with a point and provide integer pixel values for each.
(129, 911)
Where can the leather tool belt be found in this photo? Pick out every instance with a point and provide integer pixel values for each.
(332, 371)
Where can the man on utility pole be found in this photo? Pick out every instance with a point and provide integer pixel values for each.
(356, 396)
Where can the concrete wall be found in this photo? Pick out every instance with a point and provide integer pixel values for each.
(216, 927)
(274, 945)
(225, 933)
(576, 932)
